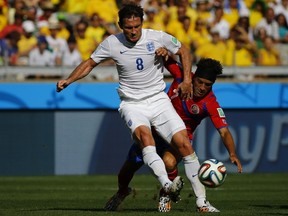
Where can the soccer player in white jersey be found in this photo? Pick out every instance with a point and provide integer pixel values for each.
(141, 90)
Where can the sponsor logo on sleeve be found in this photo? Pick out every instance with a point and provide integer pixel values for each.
(174, 40)
(221, 113)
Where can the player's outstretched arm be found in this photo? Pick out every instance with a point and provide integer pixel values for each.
(82, 70)
(228, 141)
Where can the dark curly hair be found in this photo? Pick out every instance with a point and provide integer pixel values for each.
(208, 68)
(130, 10)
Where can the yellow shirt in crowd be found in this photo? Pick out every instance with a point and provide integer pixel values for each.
(231, 17)
(268, 58)
(212, 50)
(26, 44)
(85, 46)
(75, 6)
(95, 33)
(241, 57)
(106, 9)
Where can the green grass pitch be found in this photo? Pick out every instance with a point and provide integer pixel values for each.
(241, 194)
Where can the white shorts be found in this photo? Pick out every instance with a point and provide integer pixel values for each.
(156, 111)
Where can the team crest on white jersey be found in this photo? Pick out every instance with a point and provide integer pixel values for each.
(150, 46)
(195, 109)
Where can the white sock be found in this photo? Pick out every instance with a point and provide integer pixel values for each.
(156, 164)
(191, 165)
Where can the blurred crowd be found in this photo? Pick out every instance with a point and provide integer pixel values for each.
(65, 32)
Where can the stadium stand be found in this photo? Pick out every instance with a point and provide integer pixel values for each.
(242, 27)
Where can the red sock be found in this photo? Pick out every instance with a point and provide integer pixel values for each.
(173, 174)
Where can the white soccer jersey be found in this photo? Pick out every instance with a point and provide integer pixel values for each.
(140, 70)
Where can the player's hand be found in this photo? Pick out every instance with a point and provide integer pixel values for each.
(162, 52)
(61, 85)
(185, 90)
(237, 162)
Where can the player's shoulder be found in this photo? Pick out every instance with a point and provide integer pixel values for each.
(112, 37)
(114, 40)
(210, 97)
(211, 101)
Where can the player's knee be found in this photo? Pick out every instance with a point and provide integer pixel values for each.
(143, 136)
(182, 143)
(170, 162)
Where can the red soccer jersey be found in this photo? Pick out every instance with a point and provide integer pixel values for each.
(193, 111)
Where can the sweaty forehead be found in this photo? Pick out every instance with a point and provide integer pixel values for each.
(203, 80)
(133, 20)
(133, 17)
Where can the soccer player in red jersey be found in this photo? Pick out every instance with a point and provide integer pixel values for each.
(193, 111)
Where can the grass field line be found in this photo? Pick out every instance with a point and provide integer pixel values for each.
(241, 195)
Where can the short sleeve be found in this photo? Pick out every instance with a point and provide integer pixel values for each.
(102, 52)
(171, 43)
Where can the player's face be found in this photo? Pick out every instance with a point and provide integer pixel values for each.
(132, 28)
(201, 86)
